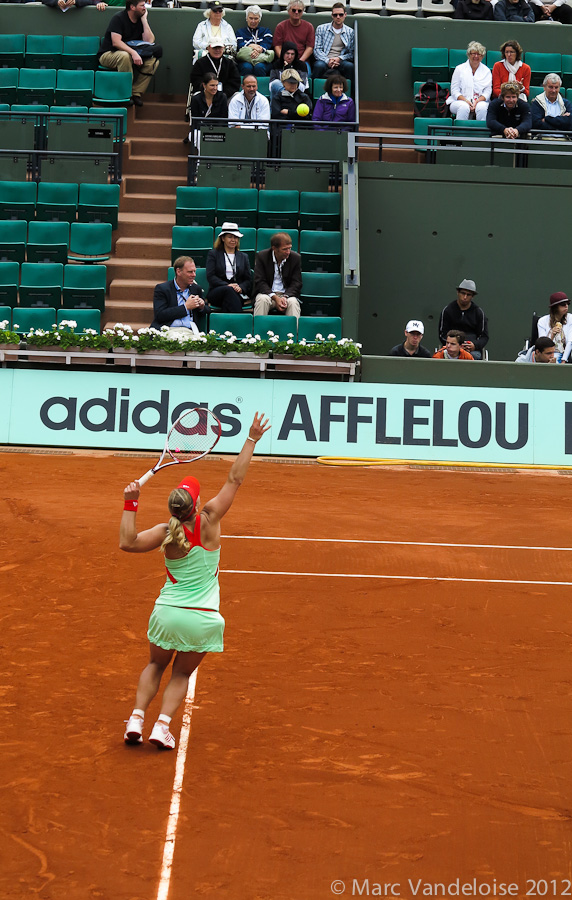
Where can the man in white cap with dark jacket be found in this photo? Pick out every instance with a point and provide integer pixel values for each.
(464, 315)
(411, 346)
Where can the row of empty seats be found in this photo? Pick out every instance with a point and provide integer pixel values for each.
(59, 202)
(50, 51)
(265, 209)
(43, 242)
(437, 64)
(23, 319)
(53, 285)
(64, 87)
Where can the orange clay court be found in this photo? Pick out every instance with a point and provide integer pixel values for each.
(358, 735)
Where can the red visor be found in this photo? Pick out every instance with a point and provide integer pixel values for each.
(191, 485)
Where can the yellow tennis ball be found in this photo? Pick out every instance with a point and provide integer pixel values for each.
(303, 109)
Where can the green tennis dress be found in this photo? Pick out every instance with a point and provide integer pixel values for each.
(186, 613)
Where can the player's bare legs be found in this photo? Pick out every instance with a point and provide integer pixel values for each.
(150, 678)
(183, 667)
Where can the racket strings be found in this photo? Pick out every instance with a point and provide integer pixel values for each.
(193, 435)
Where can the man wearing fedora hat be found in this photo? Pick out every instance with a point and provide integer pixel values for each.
(228, 271)
(464, 315)
(411, 346)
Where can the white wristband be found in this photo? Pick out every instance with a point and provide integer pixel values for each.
(251, 439)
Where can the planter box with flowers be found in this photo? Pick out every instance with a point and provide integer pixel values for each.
(163, 348)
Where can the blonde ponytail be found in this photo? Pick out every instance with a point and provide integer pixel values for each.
(181, 507)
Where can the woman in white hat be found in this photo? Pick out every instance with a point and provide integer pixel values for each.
(228, 271)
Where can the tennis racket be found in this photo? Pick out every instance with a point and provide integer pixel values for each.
(191, 437)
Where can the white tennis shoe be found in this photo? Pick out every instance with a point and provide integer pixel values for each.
(161, 737)
(134, 730)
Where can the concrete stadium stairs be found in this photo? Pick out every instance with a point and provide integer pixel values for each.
(389, 118)
(154, 165)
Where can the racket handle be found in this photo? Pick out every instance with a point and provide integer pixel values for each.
(145, 478)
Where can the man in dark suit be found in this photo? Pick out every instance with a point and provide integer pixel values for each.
(180, 303)
(278, 278)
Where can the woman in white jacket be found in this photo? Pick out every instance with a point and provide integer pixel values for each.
(557, 325)
(214, 26)
(471, 86)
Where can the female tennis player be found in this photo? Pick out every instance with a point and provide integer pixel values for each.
(185, 620)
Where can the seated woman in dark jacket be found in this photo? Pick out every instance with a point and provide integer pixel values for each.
(228, 271)
(209, 101)
(334, 105)
(286, 103)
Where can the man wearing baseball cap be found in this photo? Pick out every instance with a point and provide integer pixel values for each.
(464, 315)
(411, 347)
(224, 68)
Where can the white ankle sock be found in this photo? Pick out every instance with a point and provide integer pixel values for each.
(138, 712)
(164, 720)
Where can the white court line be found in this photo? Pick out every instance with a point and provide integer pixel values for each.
(171, 835)
(257, 537)
(395, 577)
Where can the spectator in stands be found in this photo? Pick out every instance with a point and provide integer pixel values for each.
(508, 116)
(513, 11)
(214, 27)
(454, 347)
(471, 86)
(334, 46)
(464, 315)
(550, 111)
(254, 45)
(557, 326)
(288, 59)
(179, 303)
(224, 68)
(334, 105)
(476, 10)
(126, 27)
(228, 271)
(559, 11)
(511, 68)
(209, 101)
(294, 29)
(278, 278)
(64, 5)
(249, 104)
(286, 103)
(543, 351)
(411, 346)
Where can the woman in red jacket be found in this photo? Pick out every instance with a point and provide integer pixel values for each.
(511, 68)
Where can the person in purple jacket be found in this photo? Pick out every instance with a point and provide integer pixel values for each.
(334, 105)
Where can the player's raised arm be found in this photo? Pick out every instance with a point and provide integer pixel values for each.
(216, 508)
(129, 539)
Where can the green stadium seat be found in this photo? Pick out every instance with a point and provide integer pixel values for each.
(74, 88)
(9, 277)
(319, 84)
(456, 57)
(263, 85)
(421, 129)
(108, 120)
(6, 316)
(26, 318)
(84, 319)
(278, 209)
(321, 293)
(240, 324)
(84, 287)
(493, 56)
(200, 277)
(30, 109)
(566, 70)
(57, 202)
(36, 86)
(18, 199)
(320, 211)
(192, 240)
(12, 50)
(569, 93)
(541, 64)
(112, 88)
(13, 236)
(44, 51)
(310, 326)
(247, 241)
(196, 206)
(41, 284)
(8, 85)
(4, 107)
(321, 251)
(90, 242)
(238, 205)
(430, 63)
(264, 235)
(98, 203)
(283, 326)
(470, 123)
(48, 242)
(80, 52)
(534, 91)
